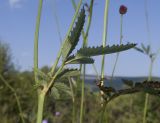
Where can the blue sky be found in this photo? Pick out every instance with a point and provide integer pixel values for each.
(17, 26)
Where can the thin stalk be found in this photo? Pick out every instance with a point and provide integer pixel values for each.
(94, 67)
(85, 42)
(104, 38)
(117, 56)
(147, 95)
(73, 101)
(105, 29)
(151, 63)
(68, 33)
(57, 21)
(82, 96)
(15, 94)
(36, 39)
(41, 98)
(147, 23)
(53, 79)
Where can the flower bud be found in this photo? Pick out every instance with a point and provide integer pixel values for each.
(122, 9)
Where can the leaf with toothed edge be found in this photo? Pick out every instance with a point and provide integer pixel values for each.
(72, 40)
(68, 73)
(139, 49)
(63, 88)
(80, 60)
(94, 51)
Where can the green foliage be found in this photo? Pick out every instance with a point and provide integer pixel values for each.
(55, 93)
(72, 40)
(94, 51)
(63, 87)
(68, 73)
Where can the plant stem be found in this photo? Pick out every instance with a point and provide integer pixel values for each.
(104, 38)
(147, 23)
(36, 39)
(15, 94)
(147, 95)
(105, 29)
(117, 56)
(85, 42)
(82, 96)
(73, 101)
(57, 21)
(41, 98)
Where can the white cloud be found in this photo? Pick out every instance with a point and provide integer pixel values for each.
(16, 3)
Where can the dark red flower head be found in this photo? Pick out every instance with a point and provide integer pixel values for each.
(122, 9)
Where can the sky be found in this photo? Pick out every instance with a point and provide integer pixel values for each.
(17, 27)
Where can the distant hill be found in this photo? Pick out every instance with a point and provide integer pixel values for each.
(117, 83)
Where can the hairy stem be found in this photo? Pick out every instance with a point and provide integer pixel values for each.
(15, 94)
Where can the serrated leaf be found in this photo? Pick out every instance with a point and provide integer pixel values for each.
(139, 49)
(72, 40)
(129, 83)
(80, 60)
(68, 72)
(63, 87)
(94, 51)
(55, 93)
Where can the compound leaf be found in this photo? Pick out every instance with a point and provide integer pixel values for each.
(94, 51)
(68, 72)
(72, 40)
(80, 60)
(63, 87)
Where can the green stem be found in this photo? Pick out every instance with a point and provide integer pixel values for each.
(36, 39)
(41, 98)
(104, 38)
(82, 97)
(117, 56)
(57, 22)
(85, 42)
(15, 94)
(147, 23)
(105, 23)
(147, 95)
(73, 101)
(103, 112)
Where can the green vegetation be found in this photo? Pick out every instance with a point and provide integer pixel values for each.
(58, 93)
